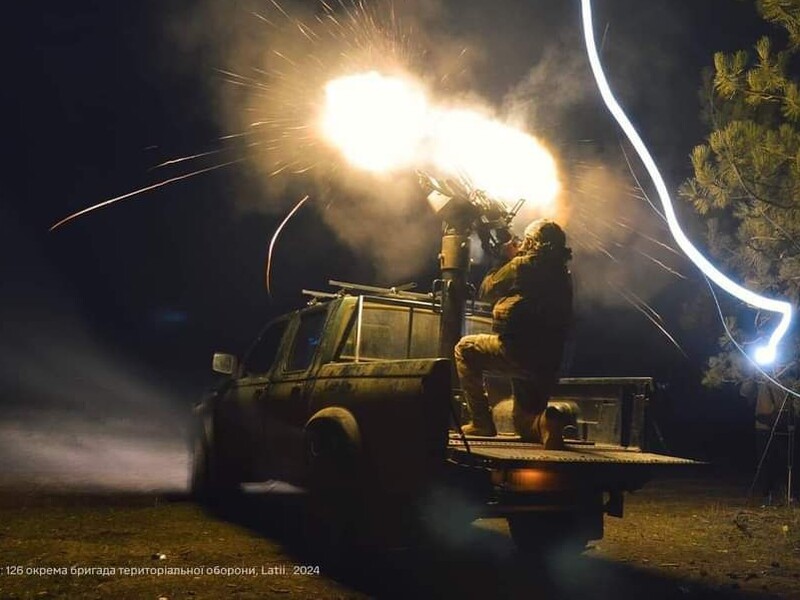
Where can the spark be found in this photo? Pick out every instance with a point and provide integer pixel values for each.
(231, 136)
(359, 38)
(279, 170)
(649, 314)
(649, 238)
(764, 354)
(286, 95)
(662, 265)
(640, 187)
(308, 33)
(237, 76)
(268, 269)
(280, 8)
(647, 306)
(284, 57)
(262, 18)
(175, 161)
(606, 252)
(148, 188)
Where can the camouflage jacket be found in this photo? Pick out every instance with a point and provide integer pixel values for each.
(532, 304)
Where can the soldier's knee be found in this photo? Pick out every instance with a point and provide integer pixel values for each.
(459, 350)
(464, 348)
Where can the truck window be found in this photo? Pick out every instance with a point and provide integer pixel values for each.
(306, 341)
(260, 358)
(384, 334)
(424, 335)
(391, 332)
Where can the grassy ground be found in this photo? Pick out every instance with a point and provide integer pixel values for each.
(141, 532)
(708, 535)
(677, 540)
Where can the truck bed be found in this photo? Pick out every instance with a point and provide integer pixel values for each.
(516, 469)
(510, 451)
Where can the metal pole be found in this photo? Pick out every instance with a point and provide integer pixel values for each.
(790, 451)
(790, 464)
(359, 317)
(454, 264)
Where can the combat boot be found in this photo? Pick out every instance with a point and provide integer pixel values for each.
(551, 425)
(481, 424)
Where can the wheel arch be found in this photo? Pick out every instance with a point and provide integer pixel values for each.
(339, 417)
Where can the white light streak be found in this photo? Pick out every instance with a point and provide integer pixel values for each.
(764, 354)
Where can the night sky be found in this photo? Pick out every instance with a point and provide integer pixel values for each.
(97, 93)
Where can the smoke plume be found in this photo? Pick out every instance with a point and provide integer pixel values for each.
(72, 413)
(277, 59)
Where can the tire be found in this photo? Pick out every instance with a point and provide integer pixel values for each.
(336, 494)
(564, 532)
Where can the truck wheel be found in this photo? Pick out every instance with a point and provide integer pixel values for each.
(560, 531)
(333, 482)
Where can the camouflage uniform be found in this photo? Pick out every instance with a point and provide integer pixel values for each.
(532, 313)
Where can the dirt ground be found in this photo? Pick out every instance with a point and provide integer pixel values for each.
(708, 534)
(680, 538)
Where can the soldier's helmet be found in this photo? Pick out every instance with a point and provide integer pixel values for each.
(544, 232)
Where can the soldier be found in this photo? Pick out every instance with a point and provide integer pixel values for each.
(532, 313)
(775, 421)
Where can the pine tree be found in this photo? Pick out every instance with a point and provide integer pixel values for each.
(746, 181)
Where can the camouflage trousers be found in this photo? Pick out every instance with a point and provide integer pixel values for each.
(486, 353)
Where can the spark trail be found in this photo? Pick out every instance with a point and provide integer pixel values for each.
(649, 312)
(268, 268)
(344, 85)
(143, 190)
(764, 354)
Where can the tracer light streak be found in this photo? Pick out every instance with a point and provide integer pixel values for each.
(764, 354)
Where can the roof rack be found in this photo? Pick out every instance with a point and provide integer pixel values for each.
(316, 295)
(399, 292)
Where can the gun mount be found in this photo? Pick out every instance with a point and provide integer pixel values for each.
(464, 210)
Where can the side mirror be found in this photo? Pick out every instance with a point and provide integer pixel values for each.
(227, 364)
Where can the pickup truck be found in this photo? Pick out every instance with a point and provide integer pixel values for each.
(348, 399)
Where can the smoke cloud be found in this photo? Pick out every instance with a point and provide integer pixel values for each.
(273, 62)
(276, 60)
(623, 253)
(554, 92)
(72, 414)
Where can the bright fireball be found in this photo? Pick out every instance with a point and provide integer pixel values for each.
(382, 124)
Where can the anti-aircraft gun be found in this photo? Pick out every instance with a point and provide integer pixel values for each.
(464, 211)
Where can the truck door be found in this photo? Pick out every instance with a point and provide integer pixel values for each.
(286, 407)
(240, 410)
